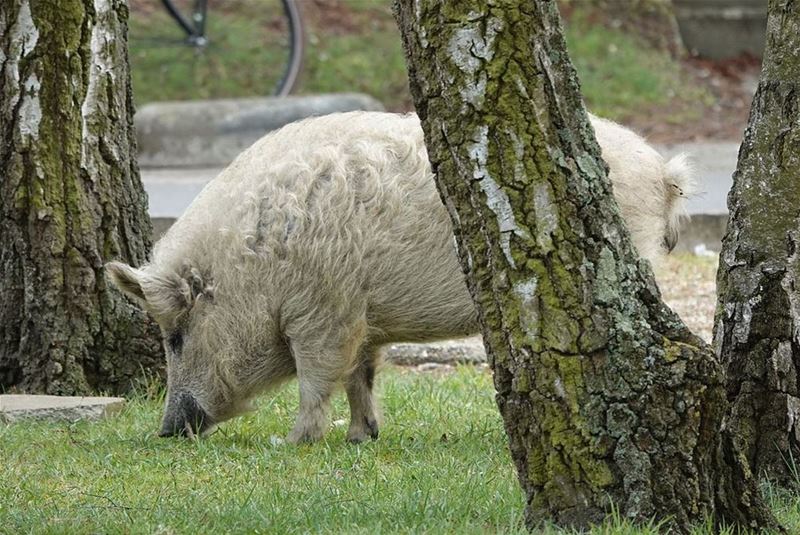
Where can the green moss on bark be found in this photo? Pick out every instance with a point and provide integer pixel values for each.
(71, 199)
(606, 396)
(758, 311)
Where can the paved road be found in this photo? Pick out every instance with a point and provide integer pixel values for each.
(172, 190)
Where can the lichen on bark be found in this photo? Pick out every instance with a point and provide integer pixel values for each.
(606, 396)
(70, 198)
(757, 323)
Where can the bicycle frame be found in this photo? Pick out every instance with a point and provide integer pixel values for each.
(193, 22)
(196, 28)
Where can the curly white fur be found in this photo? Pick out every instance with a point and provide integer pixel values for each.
(326, 240)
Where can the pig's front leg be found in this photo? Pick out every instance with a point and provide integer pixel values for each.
(363, 408)
(321, 366)
(314, 415)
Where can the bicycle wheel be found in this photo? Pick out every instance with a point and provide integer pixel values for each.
(249, 48)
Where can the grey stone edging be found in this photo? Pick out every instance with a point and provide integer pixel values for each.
(462, 351)
(205, 133)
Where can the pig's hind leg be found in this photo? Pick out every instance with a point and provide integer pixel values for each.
(363, 409)
(321, 366)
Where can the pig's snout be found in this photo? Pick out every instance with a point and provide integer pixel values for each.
(184, 417)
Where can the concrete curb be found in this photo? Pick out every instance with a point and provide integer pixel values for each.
(212, 133)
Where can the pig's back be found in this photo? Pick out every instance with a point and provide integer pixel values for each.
(337, 211)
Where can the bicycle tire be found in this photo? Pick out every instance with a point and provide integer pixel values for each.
(250, 48)
(297, 49)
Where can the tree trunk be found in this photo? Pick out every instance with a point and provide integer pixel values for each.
(757, 325)
(70, 199)
(607, 398)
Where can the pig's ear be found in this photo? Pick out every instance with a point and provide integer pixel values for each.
(164, 296)
(167, 296)
(126, 278)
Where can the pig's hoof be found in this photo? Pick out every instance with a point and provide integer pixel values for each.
(304, 435)
(367, 428)
(301, 438)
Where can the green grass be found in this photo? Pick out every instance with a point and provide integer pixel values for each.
(441, 465)
(369, 61)
(356, 47)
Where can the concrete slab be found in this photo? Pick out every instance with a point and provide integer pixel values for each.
(17, 407)
(720, 29)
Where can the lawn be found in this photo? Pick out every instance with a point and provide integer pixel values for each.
(354, 45)
(441, 465)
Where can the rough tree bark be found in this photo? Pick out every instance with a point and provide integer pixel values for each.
(606, 396)
(757, 325)
(70, 198)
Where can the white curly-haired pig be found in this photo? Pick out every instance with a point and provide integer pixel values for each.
(321, 243)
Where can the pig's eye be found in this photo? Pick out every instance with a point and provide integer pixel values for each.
(175, 342)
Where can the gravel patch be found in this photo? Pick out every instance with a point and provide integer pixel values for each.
(688, 285)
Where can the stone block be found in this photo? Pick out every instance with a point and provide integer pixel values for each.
(17, 407)
(462, 351)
